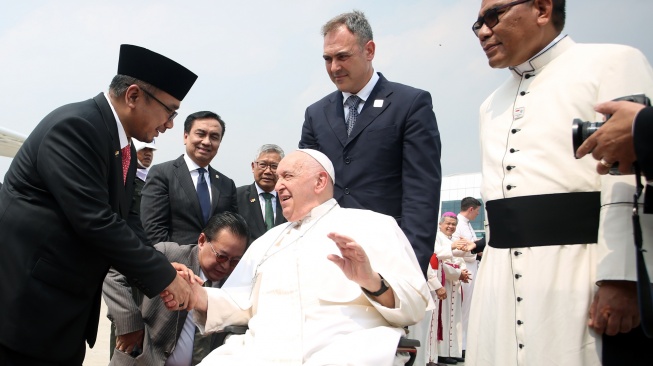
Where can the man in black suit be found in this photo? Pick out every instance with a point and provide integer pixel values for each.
(177, 201)
(381, 136)
(157, 336)
(258, 202)
(64, 209)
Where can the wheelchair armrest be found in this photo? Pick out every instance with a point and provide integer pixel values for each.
(236, 329)
(407, 342)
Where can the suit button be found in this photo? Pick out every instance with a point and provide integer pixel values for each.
(515, 130)
(512, 151)
(521, 345)
(517, 253)
(519, 299)
(522, 93)
(519, 322)
(346, 190)
(509, 187)
(517, 276)
(347, 160)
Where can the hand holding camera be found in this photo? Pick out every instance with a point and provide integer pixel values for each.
(610, 142)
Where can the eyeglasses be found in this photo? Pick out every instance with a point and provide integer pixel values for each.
(491, 16)
(263, 165)
(221, 258)
(172, 115)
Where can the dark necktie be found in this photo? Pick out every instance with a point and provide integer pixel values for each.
(203, 195)
(269, 213)
(352, 104)
(126, 159)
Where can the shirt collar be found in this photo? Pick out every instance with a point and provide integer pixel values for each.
(462, 218)
(192, 165)
(316, 213)
(122, 136)
(559, 44)
(365, 92)
(260, 190)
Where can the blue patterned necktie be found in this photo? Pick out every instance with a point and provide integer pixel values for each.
(352, 103)
(203, 195)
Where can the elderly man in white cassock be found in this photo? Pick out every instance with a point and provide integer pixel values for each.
(332, 286)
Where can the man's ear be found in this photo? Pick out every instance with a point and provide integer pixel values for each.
(322, 181)
(544, 11)
(201, 240)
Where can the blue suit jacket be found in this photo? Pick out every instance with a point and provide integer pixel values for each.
(390, 163)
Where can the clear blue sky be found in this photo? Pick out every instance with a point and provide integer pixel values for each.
(260, 62)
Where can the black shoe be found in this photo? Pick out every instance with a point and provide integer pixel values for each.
(463, 354)
(447, 360)
(459, 359)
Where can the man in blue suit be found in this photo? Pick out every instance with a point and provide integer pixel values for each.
(382, 137)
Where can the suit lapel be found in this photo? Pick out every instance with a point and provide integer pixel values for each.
(279, 219)
(186, 182)
(117, 188)
(214, 177)
(255, 209)
(335, 115)
(369, 113)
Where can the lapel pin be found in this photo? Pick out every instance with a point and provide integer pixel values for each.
(216, 177)
(378, 103)
(117, 152)
(252, 200)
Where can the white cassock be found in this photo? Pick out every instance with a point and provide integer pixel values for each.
(531, 303)
(464, 230)
(300, 307)
(451, 307)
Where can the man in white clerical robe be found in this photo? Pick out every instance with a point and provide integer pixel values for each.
(332, 286)
(556, 228)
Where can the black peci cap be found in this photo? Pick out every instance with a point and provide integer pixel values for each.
(155, 69)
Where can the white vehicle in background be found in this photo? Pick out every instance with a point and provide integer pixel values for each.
(10, 142)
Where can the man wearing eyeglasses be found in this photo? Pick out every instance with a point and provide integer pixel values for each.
(560, 257)
(65, 215)
(258, 202)
(180, 195)
(153, 335)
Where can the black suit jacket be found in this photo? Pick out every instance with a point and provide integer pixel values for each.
(170, 209)
(643, 138)
(62, 220)
(391, 161)
(249, 206)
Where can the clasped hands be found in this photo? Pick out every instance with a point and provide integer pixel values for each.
(463, 244)
(179, 295)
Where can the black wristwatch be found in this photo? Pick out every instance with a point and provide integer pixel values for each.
(384, 287)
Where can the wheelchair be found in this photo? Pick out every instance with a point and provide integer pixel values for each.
(405, 344)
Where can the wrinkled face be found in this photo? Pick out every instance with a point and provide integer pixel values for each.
(266, 178)
(349, 66)
(151, 116)
(225, 244)
(448, 226)
(514, 39)
(145, 156)
(296, 186)
(203, 140)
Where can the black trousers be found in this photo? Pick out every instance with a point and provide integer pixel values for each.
(9, 357)
(632, 348)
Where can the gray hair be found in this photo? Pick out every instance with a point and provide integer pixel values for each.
(451, 217)
(355, 22)
(120, 84)
(269, 148)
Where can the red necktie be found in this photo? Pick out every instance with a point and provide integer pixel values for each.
(126, 159)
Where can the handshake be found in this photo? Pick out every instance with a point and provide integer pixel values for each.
(463, 244)
(185, 292)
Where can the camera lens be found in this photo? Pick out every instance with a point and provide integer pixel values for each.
(581, 130)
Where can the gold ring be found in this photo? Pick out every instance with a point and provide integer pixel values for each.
(605, 163)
